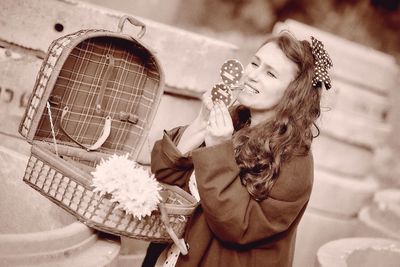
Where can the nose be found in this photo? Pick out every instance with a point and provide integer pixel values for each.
(252, 74)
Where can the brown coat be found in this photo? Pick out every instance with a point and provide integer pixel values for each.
(230, 228)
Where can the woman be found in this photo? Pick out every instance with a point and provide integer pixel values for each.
(253, 165)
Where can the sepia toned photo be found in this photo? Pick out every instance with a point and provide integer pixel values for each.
(141, 133)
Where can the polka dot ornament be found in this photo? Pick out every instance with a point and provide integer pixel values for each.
(231, 73)
(322, 63)
(222, 93)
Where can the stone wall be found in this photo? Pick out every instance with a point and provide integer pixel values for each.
(188, 71)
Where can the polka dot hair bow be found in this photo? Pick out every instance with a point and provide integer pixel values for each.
(322, 63)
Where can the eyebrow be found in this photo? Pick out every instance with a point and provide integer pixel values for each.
(265, 64)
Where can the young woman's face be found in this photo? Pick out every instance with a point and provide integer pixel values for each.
(266, 78)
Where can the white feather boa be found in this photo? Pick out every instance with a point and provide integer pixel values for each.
(134, 189)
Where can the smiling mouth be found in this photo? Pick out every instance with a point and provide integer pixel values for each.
(250, 89)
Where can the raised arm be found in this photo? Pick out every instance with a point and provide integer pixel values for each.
(194, 135)
(171, 156)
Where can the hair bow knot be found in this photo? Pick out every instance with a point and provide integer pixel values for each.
(322, 63)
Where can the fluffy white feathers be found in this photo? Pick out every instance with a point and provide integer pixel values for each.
(134, 189)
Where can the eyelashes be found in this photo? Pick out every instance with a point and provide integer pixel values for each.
(269, 73)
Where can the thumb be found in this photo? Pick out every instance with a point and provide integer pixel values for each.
(207, 101)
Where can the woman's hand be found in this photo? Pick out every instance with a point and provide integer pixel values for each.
(220, 127)
(194, 134)
(206, 107)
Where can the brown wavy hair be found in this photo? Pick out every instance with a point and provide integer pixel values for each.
(261, 150)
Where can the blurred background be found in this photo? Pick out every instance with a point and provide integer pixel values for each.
(354, 213)
(370, 22)
(247, 23)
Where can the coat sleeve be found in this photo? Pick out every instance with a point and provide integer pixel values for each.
(231, 213)
(167, 162)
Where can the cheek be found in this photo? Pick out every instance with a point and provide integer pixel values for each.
(276, 85)
(246, 71)
(270, 85)
(274, 91)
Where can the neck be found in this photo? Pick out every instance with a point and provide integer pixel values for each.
(258, 116)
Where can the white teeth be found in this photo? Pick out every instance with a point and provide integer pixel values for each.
(250, 90)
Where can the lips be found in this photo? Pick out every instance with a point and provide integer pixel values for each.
(250, 89)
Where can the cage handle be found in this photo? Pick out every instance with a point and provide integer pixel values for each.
(110, 66)
(179, 242)
(134, 22)
(100, 141)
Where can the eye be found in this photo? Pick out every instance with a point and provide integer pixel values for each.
(271, 74)
(254, 64)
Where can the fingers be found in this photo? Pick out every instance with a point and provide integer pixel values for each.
(216, 119)
(212, 123)
(225, 112)
(207, 101)
(205, 107)
(220, 126)
(219, 115)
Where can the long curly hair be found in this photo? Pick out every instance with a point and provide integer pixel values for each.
(261, 150)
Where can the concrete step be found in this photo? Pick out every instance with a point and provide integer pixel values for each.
(354, 128)
(340, 195)
(317, 228)
(93, 251)
(132, 252)
(382, 217)
(340, 157)
(101, 254)
(389, 200)
(42, 242)
(353, 252)
(352, 98)
(134, 260)
(22, 208)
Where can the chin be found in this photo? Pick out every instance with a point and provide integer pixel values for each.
(247, 100)
(244, 99)
(261, 107)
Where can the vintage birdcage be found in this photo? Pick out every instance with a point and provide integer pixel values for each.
(96, 94)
